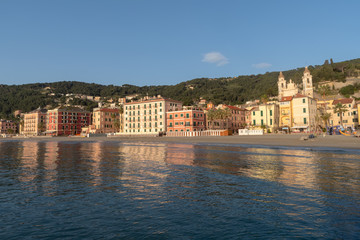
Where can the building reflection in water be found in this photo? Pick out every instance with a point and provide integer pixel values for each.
(180, 154)
(29, 161)
(144, 168)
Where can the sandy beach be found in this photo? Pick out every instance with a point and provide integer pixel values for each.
(265, 140)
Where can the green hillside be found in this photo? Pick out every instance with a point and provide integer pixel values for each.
(235, 90)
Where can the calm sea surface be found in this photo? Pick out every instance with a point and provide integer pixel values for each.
(139, 190)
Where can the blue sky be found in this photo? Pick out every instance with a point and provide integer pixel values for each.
(155, 42)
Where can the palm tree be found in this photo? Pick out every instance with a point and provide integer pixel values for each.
(211, 116)
(324, 90)
(325, 117)
(340, 108)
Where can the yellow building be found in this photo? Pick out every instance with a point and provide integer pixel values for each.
(285, 112)
(265, 115)
(349, 117)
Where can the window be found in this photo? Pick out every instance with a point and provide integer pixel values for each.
(181, 115)
(304, 110)
(262, 122)
(261, 113)
(254, 113)
(270, 112)
(304, 120)
(176, 115)
(271, 122)
(303, 100)
(254, 122)
(187, 115)
(170, 116)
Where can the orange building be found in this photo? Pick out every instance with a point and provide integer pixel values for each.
(186, 120)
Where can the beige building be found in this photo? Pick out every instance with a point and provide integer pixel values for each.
(265, 115)
(148, 116)
(34, 122)
(303, 113)
(106, 120)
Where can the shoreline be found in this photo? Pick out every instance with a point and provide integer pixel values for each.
(333, 141)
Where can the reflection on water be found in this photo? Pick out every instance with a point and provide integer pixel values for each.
(140, 189)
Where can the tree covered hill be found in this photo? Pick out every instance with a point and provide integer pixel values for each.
(235, 90)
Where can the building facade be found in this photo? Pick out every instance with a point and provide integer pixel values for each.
(106, 120)
(187, 120)
(303, 113)
(7, 127)
(35, 122)
(148, 116)
(265, 115)
(285, 112)
(290, 89)
(67, 121)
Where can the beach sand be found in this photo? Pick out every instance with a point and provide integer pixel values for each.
(265, 140)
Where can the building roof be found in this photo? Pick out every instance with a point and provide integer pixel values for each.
(299, 95)
(233, 107)
(343, 101)
(152, 100)
(286, 99)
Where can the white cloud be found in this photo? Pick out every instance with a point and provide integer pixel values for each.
(215, 57)
(262, 65)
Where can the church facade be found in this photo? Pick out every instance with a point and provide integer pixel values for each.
(289, 89)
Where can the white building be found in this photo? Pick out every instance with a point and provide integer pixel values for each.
(148, 116)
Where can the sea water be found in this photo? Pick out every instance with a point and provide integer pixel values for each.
(141, 190)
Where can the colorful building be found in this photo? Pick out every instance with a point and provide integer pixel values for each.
(148, 116)
(35, 122)
(187, 120)
(64, 121)
(226, 117)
